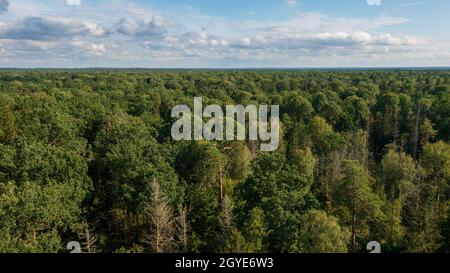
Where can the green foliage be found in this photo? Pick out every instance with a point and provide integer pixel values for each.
(239, 161)
(305, 162)
(282, 193)
(201, 162)
(32, 217)
(320, 233)
(255, 231)
(357, 204)
(398, 174)
(364, 155)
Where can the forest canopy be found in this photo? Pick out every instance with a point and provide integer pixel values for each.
(87, 155)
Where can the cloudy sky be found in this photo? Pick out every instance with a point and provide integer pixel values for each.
(224, 33)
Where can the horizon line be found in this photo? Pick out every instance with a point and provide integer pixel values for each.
(236, 68)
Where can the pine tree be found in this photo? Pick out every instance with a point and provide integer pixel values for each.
(357, 202)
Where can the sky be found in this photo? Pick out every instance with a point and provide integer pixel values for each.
(224, 33)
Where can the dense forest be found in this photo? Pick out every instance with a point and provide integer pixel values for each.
(87, 155)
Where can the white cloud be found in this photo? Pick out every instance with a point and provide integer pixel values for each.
(203, 39)
(73, 2)
(245, 41)
(312, 23)
(374, 2)
(49, 28)
(89, 47)
(339, 42)
(362, 38)
(291, 3)
(156, 26)
(27, 45)
(186, 37)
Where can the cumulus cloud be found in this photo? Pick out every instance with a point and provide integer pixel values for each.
(141, 28)
(203, 39)
(4, 4)
(316, 32)
(27, 45)
(307, 34)
(374, 2)
(321, 41)
(73, 2)
(89, 47)
(46, 28)
(361, 38)
(148, 37)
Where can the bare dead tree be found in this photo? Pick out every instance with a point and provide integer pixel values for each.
(182, 229)
(89, 238)
(159, 232)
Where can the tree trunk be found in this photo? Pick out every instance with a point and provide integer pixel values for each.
(396, 126)
(220, 187)
(353, 222)
(416, 132)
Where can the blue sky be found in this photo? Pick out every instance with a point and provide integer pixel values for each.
(228, 33)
